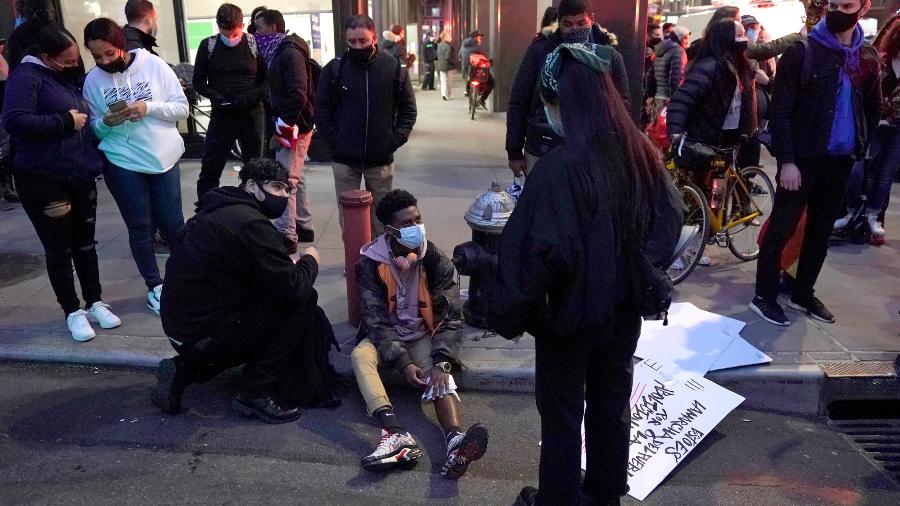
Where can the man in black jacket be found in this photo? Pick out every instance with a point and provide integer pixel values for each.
(825, 105)
(526, 123)
(293, 94)
(230, 71)
(140, 32)
(365, 110)
(233, 296)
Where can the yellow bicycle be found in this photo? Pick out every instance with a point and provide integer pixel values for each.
(730, 213)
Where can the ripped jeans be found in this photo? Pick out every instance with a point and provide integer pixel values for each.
(64, 215)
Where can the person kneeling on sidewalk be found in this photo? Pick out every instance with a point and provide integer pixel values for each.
(233, 296)
(411, 321)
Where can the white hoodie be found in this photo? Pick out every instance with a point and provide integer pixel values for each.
(153, 144)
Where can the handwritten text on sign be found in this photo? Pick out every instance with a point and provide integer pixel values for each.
(668, 420)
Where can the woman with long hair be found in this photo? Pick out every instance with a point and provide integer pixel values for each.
(884, 150)
(717, 102)
(562, 273)
(56, 165)
(136, 102)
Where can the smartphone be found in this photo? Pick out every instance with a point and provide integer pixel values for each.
(118, 106)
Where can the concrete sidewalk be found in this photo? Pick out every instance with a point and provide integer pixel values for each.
(447, 163)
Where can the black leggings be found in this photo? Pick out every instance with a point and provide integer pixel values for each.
(64, 215)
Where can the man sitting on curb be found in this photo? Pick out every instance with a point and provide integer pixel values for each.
(410, 320)
(234, 296)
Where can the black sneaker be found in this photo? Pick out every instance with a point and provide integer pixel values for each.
(527, 497)
(769, 310)
(266, 409)
(170, 385)
(290, 246)
(812, 307)
(463, 449)
(305, 235)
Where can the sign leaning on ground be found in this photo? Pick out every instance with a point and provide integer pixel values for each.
(669, 418)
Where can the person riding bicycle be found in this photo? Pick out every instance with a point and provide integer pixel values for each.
(480, 72)
(716, 105)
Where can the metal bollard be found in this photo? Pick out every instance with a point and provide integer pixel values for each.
(357, 232)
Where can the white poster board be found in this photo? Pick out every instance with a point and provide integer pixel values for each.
(669, 418)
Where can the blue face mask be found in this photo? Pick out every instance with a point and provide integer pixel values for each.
(751, 34)
(412, 237)
(231, 42)
(556, 127)
(19, 21)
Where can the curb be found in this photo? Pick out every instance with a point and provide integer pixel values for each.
(790, 389)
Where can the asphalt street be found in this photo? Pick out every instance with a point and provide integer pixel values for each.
(86, 435)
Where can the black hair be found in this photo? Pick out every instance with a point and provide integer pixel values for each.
(106, 30)
(396, 29)
(727, 12)
(668, 26)
(359, 21)
(718, 43)
(138, 9)
(474, 33)
(253, 14)
(652, 26)
(551, 15)
(615, 165)
(263, 169)
(273, 17)
(229, 17)
(52, 40)
(37, 11)
(574, 8)
(395, 200)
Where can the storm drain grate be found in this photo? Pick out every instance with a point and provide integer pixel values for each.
(879, 438)
(858, 369)
(18, 267)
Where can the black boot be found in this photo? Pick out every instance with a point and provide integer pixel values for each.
(527, 497)
(266, 409)
(171, 380)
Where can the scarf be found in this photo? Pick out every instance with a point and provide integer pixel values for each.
(843, 128)
(268, 43)
(591, 55)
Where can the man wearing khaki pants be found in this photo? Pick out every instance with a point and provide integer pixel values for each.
(365, 110)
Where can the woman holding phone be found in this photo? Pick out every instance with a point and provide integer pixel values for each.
(136, 102)
(56, 164)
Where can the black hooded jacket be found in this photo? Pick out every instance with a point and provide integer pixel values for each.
(228, 260)
(526, 123)
(365, 111)
(136, 38)
(290, 81)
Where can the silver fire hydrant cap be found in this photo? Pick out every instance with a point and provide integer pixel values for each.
(491, 210)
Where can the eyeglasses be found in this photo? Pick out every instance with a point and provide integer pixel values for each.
(282, 186)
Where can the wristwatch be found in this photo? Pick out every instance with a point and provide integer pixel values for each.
(444, 366)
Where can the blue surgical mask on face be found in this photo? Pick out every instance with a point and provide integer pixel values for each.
(751, 34)
(556, 127)
(19, 21)
(412, 237)
(231, 42)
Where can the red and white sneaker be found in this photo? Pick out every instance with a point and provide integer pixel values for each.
(463, 449)
(392, 450)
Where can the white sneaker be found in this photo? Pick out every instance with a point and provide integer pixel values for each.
(153, 298)
(874, 227)
(841, 223)
(100, 311)
(79, 326)
(704, 261)
(678, 264)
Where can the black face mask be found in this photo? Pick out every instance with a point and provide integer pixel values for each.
(839, 22)
(580, 35)
(272, 206)
(740, 47)
(653, 41)
(117, 65)
(361, 56)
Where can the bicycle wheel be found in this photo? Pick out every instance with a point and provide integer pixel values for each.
(696, 214)
(743, 239)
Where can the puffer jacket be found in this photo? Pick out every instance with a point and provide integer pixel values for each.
(668, 68)
(699, 107)
(376, 322)
(444, 61)
(292, 89)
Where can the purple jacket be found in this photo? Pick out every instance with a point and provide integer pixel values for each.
(36, 115)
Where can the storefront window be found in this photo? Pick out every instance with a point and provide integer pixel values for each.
(77, 14)
(310, 19)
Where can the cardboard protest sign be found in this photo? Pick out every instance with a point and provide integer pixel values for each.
(669, 418)
(740, 353)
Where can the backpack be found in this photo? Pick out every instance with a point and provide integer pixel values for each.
(251, 41)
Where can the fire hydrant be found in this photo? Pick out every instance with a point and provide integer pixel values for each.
(478, 258)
